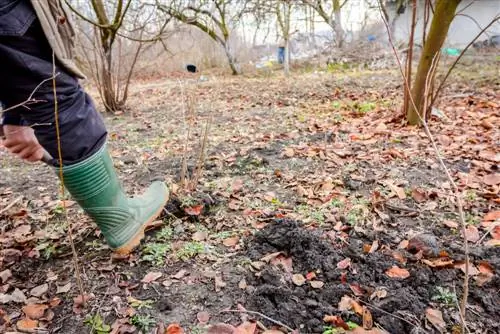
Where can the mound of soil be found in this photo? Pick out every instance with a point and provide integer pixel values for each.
(401, 310)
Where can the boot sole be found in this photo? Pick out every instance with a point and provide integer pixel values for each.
(137, 238)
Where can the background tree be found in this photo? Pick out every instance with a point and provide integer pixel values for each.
(444, 12)
(331, 12)
(111, 27)
(217, 18)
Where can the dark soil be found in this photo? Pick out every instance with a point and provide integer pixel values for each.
(311, 250)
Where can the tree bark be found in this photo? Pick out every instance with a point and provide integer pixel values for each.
(406, 101)
(339, 31)
(441, 21)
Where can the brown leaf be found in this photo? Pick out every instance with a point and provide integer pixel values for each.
(367, 318)
(219, 283)
(336, 321)
(79, 301)
(400, 192)
(472, 233)
(237, 185)
(272, 331)
(5, 275)
(472, 269)
(438, 263)
(174, 329)
(289, 152)
(419, 195)
(27, 326)
(358, 291)
(310, 275)
(285, 262)
(63, 289)
(450, 223)
(34, 311)
(399, 257)
(492, 179)
(194, 210)
(344, 264)
(180, 274)
(203, 317)
(396, 272)
(317, 284)
(435, 317)
(231, 242)
(199, 236)
(373, 247)
(298, 279)
(246, 328)
(40, 290)
(242, 284)
(491, 216)
(485, 274)
(219, 328)
(151, 277)
(271, 256)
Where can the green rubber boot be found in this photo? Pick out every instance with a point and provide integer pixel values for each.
(94, 185)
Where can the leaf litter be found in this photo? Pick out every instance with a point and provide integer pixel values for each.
(356, 188)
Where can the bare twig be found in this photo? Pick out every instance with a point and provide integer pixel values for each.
(201, 157)
(30, 99)
(391, 314)
(441, 84)
(59, 150)
(261, 315)
(11, 204)
(455, 189)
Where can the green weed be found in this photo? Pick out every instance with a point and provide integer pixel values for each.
(155, 253)
(445, 296)
(97, 324)
(144, 323)
(190, 250)
(165, 234)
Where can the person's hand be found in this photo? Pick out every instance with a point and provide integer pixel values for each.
(21, 141)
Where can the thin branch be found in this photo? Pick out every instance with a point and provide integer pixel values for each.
(438, 90)
(448, 176)
(11, 204)
(86, 19)
(260, 315)
(30, 99)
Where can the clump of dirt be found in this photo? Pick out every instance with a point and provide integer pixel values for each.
(401, 310)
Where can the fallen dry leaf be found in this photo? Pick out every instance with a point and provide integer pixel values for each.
(437, 263)
(5, 275)
(79, 301)
(344, 264)
(247, 327)
(310, 275)
(336, 321)
(64, 288)
(298, 279)
(193, 210)
(180, 274)
(27, 325)
(491, 216)
(203, 317)
(419, 195)
(219, 283)
(174, 329)
(219, 328)
(435, 317)
(396, 272)
(492, 179)
(472, 233)
(485, 274)
(40, 290)
(34, 311)
(367, 318)
(231, 242)
(151, 277)
(317, 284)
(472, 269)
(450, 223)
(199, 236)
(400, 192)
(243, 284)
(358, 291)
(272, 331)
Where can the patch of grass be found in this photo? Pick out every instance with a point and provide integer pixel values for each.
(335, 67)
(309, 212)
(364, 107)
(336, 203)
(144, 323)
(471, 219)
(155, 253)
(471, 195)
(197, 330)
(97, 325)
(190, 250)
(445, 296)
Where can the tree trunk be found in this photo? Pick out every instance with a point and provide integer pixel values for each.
(231, 60)
(339, 31)
(286, 65)
(443, 15)
(409, 58)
